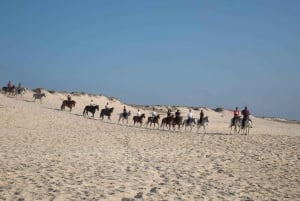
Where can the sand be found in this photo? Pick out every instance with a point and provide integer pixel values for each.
(49, 154)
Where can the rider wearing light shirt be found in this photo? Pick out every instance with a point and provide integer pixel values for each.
(138, 113)
(153, 113)
(189, 116)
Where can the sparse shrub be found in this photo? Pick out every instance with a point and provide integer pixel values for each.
(219, 109)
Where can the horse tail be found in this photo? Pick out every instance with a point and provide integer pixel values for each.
(102, 113)
(63, 105)
(84, 111)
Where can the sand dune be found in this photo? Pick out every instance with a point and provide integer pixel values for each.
(49, 154)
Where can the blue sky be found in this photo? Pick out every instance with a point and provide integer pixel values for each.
(191, 53)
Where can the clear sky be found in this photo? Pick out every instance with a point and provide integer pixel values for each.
(158, 52)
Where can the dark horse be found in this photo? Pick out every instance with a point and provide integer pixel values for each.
(106, 112)
(38, 96)
(167, 121)
(177, 121)
(68, 103)
(153, 120)
(90, 108)
(9, 90)
(138, 119)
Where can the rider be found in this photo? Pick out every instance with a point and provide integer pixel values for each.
(9, 84)
(124, 112)
(169, 113)
(138, 113)
(245, 112)
(69, 97)
(153, 113)
(92, 103)
(190, 116)
(177, 114)
(236, 114)
(107, 107)
(201, 116)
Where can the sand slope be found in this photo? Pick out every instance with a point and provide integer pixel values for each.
(48, 154)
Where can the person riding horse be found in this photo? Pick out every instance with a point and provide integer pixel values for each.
(236, 115)
(69, 98)
(245, 112)
(169, 113)
(153, 114)
(190, 117)
(125, 114)
(201, 116)
(177, 114)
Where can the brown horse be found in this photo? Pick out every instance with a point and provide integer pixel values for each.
(90, 108)
(68, 103)
(153, 120)
(138, 119)
(106, 112)
(167, 121)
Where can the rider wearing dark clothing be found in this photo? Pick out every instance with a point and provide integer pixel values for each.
(177, 114)
(169, 113)
(201, 116)
(124, 112)
(9, 84)
(69, 98)
(245, 112)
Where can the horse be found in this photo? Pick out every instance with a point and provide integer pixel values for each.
(124, 116)
(21, 91)
(90, 108)
(138, 119)
(236, 123)
(153, 120)
(177, 121)
(246, 128)
(167, 121)
(106, 112)
(38, 96)
(203, 124)
(68, 103)
(191, 124)
(9, 90)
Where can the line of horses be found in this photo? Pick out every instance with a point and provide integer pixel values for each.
(169, 122)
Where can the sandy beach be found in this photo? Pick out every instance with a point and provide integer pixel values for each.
(49, 154)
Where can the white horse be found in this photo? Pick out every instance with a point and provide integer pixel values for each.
(237, 123)
(203, 124)
(246, 129)
(21, 91)
(190, 124)
(124, 117)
